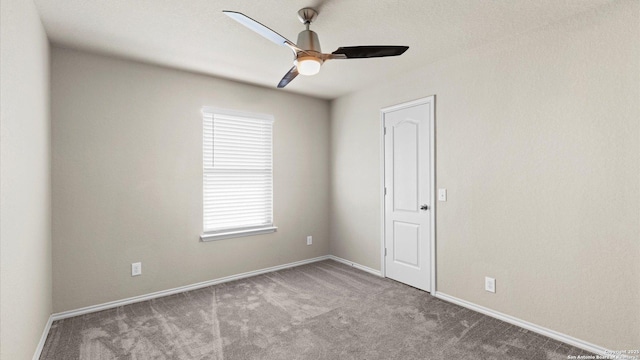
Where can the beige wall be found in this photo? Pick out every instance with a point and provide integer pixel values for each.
(538, 146)
(25, 178)
(127, 179)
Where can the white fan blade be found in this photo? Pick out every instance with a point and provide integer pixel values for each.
(259, 28)
(290, 75)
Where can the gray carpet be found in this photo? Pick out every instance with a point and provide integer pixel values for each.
(324, 310)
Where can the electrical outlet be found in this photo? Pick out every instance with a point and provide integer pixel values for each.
(136, 269)
(309, 240)
(490, 284)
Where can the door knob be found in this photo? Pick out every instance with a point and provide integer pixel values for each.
(424, 207)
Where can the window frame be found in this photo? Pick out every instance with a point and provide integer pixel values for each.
(212, 235)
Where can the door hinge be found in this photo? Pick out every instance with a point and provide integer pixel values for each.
(385, 190)
(385, 130)
(385, 251)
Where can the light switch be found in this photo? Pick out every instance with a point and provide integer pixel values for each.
(442, 194)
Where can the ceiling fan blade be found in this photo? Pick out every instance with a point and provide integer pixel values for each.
(293, 72)
(361, 52)
(259, 28)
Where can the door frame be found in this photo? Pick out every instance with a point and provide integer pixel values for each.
(432, 170)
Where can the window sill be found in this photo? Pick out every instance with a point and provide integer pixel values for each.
(237, 233)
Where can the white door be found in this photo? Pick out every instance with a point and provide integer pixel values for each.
(408, 201)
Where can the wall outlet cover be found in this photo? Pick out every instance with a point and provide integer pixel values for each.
(490, 284)
(136, 269)
(309, 240)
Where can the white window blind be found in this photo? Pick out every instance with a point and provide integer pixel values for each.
(238, 184)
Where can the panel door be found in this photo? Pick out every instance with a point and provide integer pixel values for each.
(408, 183)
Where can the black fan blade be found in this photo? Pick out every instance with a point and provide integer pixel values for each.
(288, 77)
(361, 52)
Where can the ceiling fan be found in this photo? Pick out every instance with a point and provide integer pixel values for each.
(308, 58)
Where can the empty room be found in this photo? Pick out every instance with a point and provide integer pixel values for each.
(321, 179)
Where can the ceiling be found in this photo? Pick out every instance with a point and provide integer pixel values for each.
(195, 35)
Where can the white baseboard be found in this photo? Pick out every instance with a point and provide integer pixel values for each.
(356, 265)
(43, 338)
(526, 325)
(157, 294)
(498, 315)
(481, 309)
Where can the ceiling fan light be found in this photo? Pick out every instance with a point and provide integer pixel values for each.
(308, 65)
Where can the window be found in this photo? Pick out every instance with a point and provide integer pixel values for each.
(237, 174)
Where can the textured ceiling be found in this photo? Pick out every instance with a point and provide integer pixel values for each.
(195, 35)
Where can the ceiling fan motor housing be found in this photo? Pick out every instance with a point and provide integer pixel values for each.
(308, 40)
(309, 60)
